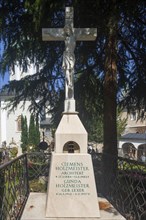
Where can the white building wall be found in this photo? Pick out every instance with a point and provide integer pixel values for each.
(133, 123)
(8, 124)
(11, 123)
(3, 126)
(18, 74)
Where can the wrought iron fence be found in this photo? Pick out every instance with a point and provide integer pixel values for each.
(125, 188)
(38, 171)
(18, 177)
(14, 189)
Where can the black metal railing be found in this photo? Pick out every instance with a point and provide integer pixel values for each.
(14, 188)
(125, 188)
(38, 171)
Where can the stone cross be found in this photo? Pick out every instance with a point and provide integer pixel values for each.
(70, 35)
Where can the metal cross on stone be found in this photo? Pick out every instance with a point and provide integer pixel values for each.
(70, 35)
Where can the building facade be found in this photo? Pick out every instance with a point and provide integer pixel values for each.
(132, 143)
(10, 122)
(134, 123)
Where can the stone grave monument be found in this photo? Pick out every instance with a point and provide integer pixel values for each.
(71, 188)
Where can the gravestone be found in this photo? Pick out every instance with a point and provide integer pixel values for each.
(71, 188)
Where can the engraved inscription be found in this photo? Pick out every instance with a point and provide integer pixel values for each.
(72, 178)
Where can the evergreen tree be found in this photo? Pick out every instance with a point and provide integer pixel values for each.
(34, 133)
(37, 139)
(95, 130)
(24, 133)
(121, 123)
(116, 59)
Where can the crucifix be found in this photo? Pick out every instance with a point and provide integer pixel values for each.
(69, 35)
(71, 138)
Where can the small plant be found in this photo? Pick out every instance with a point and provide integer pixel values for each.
(36, 186)
(14, 152)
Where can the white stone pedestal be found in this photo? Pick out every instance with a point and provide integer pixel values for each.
(71, 190)
(35, 210)
(70, 129)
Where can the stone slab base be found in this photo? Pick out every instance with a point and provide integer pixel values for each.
(71, 188)
(36, 204)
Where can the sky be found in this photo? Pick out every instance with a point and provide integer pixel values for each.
(3, 80)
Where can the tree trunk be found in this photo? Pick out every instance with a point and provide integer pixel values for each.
(110, 150)
(110, 92)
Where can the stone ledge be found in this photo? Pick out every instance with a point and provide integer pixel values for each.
(35, 210)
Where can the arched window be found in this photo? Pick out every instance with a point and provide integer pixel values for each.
(133, 116)
(141, 154)
(129, 150)
(71, 147)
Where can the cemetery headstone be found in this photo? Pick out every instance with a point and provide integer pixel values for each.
(71, 187)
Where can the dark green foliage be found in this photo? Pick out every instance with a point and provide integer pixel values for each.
(34, 134)
(121, 123)
(96, 127)
(105, 70)
(14, 152)
(22, 37)
(96, 131)
(31, 136)
(37, 139)
(24, 133)
(36, 186)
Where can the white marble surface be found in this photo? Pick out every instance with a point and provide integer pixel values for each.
(70, 128)
(71, 189)
(35, 210)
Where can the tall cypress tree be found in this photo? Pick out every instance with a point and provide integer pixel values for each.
(24, 133)
(37, 139)
(34, 133)
(31, 131)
